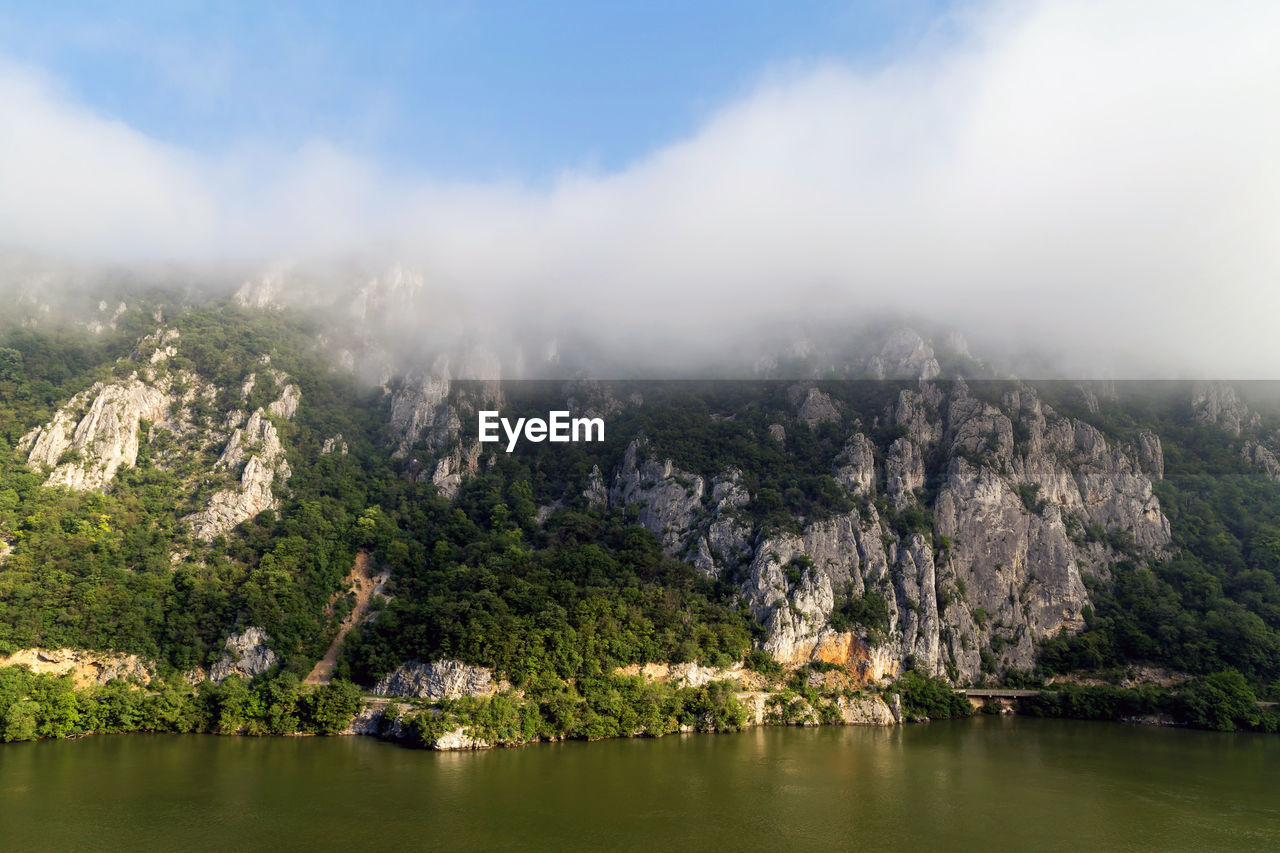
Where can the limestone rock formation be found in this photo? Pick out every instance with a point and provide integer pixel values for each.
(815, 407)
(86, 667)
(1001, 566)
(904, 355)
(95, 434)
(1263, 459)
(458, 739)
(256, 453)
(246, 653)
(417, 407)
(443, 679)
(1150, 454)
(1217, 403)
(334, 444)
(855, 467)
(669, 500)
(596, 494)
(868, 711)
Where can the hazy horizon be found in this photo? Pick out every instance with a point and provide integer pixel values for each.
(1086, 181)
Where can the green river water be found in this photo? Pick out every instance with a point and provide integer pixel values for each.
(987, 783)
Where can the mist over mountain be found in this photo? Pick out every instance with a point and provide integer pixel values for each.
(1088, 182)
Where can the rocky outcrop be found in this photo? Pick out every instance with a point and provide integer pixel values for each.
(246, 653)
(428, 412)
(704, 528)
(1019, 493)
(596, 493)
(444, 679)
(255, 452)
(101, 431)
(869, 711)
(86, 667)
(855, 466)
(455, 466)
(669, 500)
(727, 542)
(1150, 454)
(287, 404)
(904, 355)
(684, 674)
(814, 406)
(420, 406)
(459, 738)
(334, 444)
(373, 717)
(1263, 459)
(904, 472)
(95, 434)
(1218, 404)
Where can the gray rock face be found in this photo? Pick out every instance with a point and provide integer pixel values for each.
(418, 407)
(256, 452)
(287, 405)
(904, 472)
(596, 493)
(246, 653)
(444, 679)
(1217, 403)
(727, 542)
(1263, 459)
(905, 355)
(1003, 569)
(1150, 454)
(455, 466)
(793, 580)
(669, 499)
(815, 407)
(98, 429)
(855, 467)
(431, 409)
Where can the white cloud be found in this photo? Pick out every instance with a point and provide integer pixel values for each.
(1088, 176)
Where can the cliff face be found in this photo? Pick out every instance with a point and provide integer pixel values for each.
(256, 454)
(246, 653)
(443, 679)
(1020, 494)
(86, 667)
(427, 413)
(96, 433)
(102, 430)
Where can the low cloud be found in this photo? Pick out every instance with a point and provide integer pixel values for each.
(1096, 179)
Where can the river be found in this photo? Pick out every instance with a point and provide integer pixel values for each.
(981, 784)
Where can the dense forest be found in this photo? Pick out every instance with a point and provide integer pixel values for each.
(519, 573)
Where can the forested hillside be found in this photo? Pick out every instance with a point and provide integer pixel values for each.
(190, 484)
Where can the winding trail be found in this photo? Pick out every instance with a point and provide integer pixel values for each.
(366, 584)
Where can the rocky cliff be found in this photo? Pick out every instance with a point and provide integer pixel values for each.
(246, 653)
(443, 679)
(96, 433)
(973, 531)
(101, 431)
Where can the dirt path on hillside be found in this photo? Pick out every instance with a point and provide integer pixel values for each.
(365, 584)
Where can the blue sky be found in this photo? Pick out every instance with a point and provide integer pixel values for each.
(465, 90)
(1083, 173)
